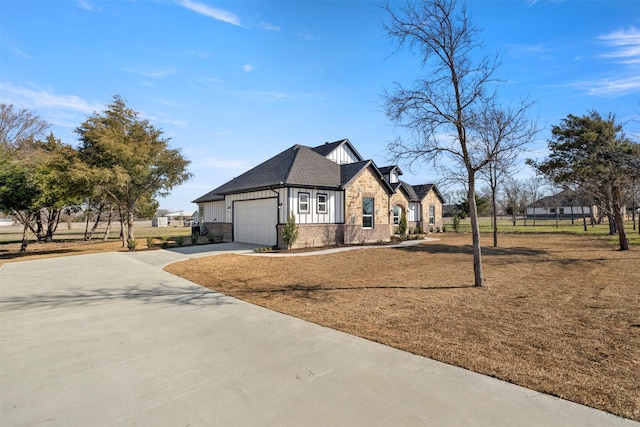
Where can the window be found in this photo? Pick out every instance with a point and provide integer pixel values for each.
(432, 215)
(561, 211)
(367, 212)
(200, 214)
(322, 204)
(303, 202)
(552, 210)
(396, 215)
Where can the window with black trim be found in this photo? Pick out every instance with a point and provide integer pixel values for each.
(322, 203)
(303, 202)
(432, 215)
(367, 212)
(396, 215)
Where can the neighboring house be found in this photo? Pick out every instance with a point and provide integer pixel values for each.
(563, 205)
(336, 196)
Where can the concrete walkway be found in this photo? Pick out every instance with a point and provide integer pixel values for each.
(112, 340)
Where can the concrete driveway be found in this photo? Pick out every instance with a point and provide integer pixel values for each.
(112, 340)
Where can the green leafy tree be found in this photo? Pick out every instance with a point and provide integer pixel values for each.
(54, 166)
(290, 231)
(18, 193)
(592, 153)
(133, 163)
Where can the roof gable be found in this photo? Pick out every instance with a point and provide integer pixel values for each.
(563, 198)
(297, 165)
(424, 189)
(331, 150)
(351, 171)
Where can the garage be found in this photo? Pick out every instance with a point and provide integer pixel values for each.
(255, 221)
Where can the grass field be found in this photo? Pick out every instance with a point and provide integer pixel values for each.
(505, 225)
(70, 241)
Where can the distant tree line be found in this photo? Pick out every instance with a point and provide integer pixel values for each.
(120, 167)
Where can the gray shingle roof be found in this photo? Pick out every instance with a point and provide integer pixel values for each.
(423, 190)
(298, 165)
(408, 188)
(211, 196)
(563, 198)
(328, 147)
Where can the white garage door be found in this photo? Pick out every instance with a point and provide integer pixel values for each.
(255, 221)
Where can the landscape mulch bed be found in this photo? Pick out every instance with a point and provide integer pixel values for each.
(559, 314)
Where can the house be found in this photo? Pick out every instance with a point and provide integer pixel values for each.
(336, 196)
(563, 205)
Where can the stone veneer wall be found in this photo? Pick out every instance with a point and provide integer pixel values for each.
(431, 199)
(366, 185)
(220, 228)
(315, 235)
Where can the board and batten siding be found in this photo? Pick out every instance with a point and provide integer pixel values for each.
(335, 206)
(214, 211)
(414, 212)
(562, 210)
(221, 210)
(343, 155)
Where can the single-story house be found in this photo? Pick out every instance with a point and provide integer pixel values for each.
(337, 197)
(563, 205)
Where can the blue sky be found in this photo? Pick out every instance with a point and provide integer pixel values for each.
(233, 83)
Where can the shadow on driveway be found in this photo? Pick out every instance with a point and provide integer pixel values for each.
(163, 294)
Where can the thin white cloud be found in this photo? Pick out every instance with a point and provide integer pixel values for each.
(269, 27)
(306, 36)
(614, 87)
(38, 99)
(155, 74)
(18, 52)
(211, 12)
(198, 53)
(625, 44)
(85, 5)
(247, 68)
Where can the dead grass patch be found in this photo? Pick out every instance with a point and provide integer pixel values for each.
(560, 314)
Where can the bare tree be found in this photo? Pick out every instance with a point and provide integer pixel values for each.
(505, 134)
(16, 126)
(442, 110)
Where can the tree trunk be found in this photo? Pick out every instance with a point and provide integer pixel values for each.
(86, 226)
(108, 230)
(584, 218)
(25, 241)
(96, 223)
(475, 232)
(619, 220)
(130, 224)
(495, 217)
(53, 219)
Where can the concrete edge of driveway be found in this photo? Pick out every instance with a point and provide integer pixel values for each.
(343, 249)
(164, 257)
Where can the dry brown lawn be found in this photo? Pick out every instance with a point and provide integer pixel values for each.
(560, 313)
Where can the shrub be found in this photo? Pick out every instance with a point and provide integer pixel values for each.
(290, 231)
(419, 230)
(132, 244)
(456, 224)
(150, 242)
(165, 241)
(402, 226)
(430, 229)
(180, 240)
(194, 238)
